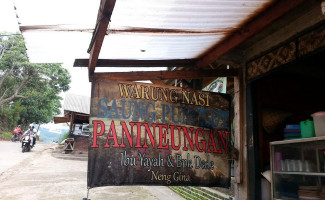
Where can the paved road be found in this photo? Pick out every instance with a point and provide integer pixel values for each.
(37, 175)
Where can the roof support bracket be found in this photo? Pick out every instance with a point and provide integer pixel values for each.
(103, 18)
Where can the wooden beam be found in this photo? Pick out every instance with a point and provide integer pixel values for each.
(60, 120)
(276, 11)
(165, 75)
(137, 63)
(103, 18)
(158, 82)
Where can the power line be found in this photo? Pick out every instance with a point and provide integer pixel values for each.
(10, 34)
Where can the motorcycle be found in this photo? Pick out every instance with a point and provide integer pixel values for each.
(16, 137)
(26, 143)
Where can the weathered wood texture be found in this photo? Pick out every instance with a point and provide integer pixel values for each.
(123, 131)
(287, 52)
(238, 129)
(165, 75)
(284, 29)
(137, 63)
(264, 19)
(311, 41)
(272, 60)
(158, 82)
(103, 19)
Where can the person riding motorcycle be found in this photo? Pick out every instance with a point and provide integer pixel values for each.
(17, 132)
(32, 134)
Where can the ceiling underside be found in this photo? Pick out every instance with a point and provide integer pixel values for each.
(184, 35)
(138, 29)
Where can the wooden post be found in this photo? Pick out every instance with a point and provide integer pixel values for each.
(241, 165)
(71, 123)
(238, 104)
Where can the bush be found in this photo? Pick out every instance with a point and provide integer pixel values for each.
(10, 115)
(63, 137)
(5, 135)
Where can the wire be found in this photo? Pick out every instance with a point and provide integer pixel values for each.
(10, 34)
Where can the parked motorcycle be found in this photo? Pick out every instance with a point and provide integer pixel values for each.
(16, 137)
(26, 143)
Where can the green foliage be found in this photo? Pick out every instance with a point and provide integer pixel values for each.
(9, 115)
(40, 107)
(63, 137)
(5, 135)
(196, 193)
(29, 92)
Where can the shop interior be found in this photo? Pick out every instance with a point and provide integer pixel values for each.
(288, 96)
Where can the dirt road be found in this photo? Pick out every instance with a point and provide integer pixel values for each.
(11, 155)
(37, 175)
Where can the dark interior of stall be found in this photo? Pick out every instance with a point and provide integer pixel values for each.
(288, 95)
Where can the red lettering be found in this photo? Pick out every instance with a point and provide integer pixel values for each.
(138, 135)
(197, 140)
(212, 143)
(102, 130)
(126, 132)
(224, 143)
(148, 132)
(112, 132)
(186, 135)
(162, 137)
(173, 138)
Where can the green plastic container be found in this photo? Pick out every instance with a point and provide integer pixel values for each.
(307, 128)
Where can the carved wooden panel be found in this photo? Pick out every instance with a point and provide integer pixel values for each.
(272, 60)
(311, 41)
(299, 46)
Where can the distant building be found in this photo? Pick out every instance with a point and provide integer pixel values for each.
(76, 110)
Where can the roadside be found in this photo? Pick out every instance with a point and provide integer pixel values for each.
(5, 136)
(11, 154)
(40, 176)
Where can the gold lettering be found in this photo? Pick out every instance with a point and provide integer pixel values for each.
(144, 92)
(152, 93)
(160, 177)
(202, 100)
(194, 99)
(164, 93)
(124, 88)
(186, 96)
(173, 96)
(207, 99)
(135, 92)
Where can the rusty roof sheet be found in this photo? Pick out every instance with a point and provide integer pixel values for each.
(139, 29)
(170, 29)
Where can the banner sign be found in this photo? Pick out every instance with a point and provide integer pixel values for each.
(145, 134)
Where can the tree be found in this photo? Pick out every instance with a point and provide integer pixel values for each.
(15, 70)
(36, 86)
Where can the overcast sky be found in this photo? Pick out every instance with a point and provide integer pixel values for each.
(8, 23)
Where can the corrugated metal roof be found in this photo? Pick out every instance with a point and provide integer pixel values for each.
(139, 29)
(172, 22)
(183, 14)
(155, 46)
(77, 103)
